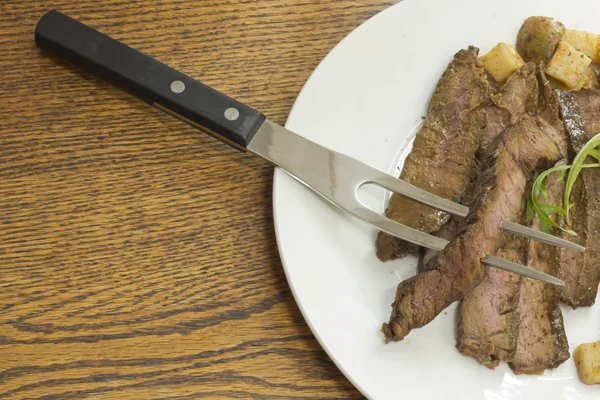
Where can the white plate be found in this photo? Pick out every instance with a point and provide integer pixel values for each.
(364, 100)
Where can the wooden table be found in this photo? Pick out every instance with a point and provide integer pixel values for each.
(137, 256)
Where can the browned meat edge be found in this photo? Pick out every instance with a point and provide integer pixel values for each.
(442, 157)
(509, 162)
(581, 271)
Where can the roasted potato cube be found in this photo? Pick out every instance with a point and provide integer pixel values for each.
(569, 66)
(502, 61)
(538, 38)
(590, 79)
(587, 43)
(587, 361)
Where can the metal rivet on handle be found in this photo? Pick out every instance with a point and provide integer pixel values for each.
(232, 114)
(177, 86)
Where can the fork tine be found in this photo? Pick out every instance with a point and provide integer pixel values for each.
(412, 192)
(422, 196)
(398, 230)
(435, 243)
(519, 269)
(534, 234)
(432, 242)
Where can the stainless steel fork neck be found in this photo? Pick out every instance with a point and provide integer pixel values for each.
(334, 175)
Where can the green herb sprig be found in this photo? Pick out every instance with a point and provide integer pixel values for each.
(588, 150)
(545, 210)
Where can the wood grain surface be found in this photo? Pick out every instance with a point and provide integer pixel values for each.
(137, 256)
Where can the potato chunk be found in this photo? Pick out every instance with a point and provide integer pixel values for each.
(538, 38)
(587, 43)
(587, 361)
(569, 66)
(590, 79)
(502, 61)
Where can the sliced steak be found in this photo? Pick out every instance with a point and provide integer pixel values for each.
(442, 157)
(449, 232)
(580, 114)
(519, 95)
(492, 336)
(548, 113)
(581, 271)
(487, 327)
(523, 92)
(508, 164)
(541, 340)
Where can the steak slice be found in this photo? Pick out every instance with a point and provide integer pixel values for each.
(548, 113)
(541, 341)
(491, 335)
(508, 164)
(522, 93)
(581, 271)
(449, 232)
(579, 111)
(443, 153)
(519, 95)
(487, 326)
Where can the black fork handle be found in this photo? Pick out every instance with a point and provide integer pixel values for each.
(148, 79)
